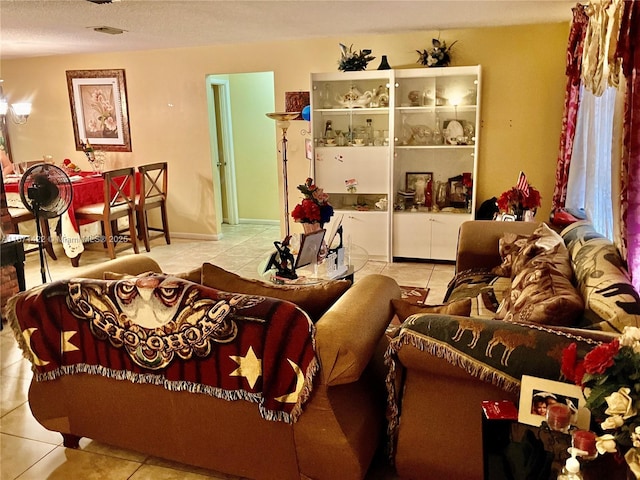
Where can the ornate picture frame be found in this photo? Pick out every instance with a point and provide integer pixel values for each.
(99, 111)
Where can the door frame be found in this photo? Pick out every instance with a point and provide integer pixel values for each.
(221, 85)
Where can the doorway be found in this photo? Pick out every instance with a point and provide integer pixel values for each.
(244, 161)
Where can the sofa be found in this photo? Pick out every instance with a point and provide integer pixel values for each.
(333, 432)
(529, 293)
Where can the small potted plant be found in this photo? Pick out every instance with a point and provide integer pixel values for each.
(437, 56)
(351, 61)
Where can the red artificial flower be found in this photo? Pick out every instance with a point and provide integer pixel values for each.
(515, 197)
(315, 207)
(601, 357)
(306, 211)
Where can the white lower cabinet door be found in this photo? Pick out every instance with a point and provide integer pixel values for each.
(369, 230)
(444, 235)
(411, 235)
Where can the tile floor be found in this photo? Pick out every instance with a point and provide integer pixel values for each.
(28, 451)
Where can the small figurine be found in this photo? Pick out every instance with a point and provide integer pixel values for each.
(282, 260)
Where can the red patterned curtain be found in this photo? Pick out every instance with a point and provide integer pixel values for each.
(571, 103)
(629, 50)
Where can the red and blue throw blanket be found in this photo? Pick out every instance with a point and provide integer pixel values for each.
(167, 331)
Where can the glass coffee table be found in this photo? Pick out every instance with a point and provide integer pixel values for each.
(355, 257)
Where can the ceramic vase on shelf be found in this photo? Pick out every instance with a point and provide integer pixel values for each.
(310, 228)
(384, 64)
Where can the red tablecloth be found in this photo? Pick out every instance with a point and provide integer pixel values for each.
(87, 191)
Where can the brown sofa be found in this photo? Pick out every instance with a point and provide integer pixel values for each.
(336, 435)
(442, 367)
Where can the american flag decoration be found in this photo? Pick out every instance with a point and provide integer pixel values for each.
(523, 184)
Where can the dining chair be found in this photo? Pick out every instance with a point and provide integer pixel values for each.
(21, 215)
(119, 202)
(153, 194)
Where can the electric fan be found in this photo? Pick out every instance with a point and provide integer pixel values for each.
(46, 191)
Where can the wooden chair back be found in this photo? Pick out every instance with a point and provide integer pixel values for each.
(153, 194)
(153, 184)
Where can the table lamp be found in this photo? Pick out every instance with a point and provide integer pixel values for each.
(282, 121)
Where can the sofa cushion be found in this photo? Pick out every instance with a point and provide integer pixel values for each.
(611, 302)
(191, 275)
(404, 309)
(541, 293)
(313, 299)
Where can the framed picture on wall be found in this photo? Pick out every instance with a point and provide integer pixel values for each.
(99, 110)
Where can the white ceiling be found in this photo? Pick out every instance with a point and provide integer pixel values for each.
(54, 27)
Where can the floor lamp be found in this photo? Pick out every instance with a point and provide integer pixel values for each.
(282, 121)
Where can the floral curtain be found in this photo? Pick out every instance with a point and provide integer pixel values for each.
(571, 103)
(628, 49)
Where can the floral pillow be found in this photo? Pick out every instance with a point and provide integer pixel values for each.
(542, 292)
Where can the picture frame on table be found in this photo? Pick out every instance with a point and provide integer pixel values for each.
(99, 112)
(534, 390)
(309, 248)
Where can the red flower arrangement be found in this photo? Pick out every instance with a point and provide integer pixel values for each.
(514, 199)
(315, 207)
(609, 374)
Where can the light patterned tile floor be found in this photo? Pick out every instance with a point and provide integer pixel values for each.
(30, 452)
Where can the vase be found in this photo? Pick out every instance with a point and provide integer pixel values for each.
(384, 64)
(310, 228)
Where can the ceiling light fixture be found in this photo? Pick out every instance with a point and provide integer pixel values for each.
(109, 30)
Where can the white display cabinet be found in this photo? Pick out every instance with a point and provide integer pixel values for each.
(352, 162)
(400, 157)
(436, 118)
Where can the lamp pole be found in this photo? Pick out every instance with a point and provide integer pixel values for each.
(282, 121)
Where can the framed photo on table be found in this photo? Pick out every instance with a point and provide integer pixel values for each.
(99, 112)
(537, 394)
(309, 248)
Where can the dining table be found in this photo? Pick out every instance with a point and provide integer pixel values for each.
(88, 189)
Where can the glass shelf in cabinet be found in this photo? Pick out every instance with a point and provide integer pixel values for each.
(377, 110)
(419, 147)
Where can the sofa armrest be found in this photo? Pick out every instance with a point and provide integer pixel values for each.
(348, 333)
(495, 351)
(131, 264)
(478, 242)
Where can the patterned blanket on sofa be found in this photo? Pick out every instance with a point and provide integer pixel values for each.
(494, 351)
(166, 331)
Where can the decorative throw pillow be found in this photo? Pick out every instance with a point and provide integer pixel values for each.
(541, 293)
(192, 275)
(611, 301)
(404, 309)
(509, 246)
(120, 276)
(517, 250)
(313, 299)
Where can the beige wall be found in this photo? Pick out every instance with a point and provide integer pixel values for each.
(523, 92)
